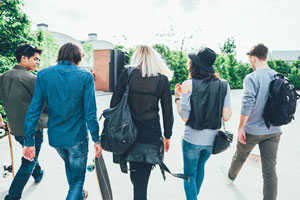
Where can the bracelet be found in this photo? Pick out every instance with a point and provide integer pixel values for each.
(177, 99)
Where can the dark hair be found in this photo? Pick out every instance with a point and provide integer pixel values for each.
(260, 51)
(70, 52)
(198, 73)
(26, 50)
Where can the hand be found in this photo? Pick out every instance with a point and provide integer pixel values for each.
(29, 153)
(177, 90)
(98, 150)
(2, 124)
(242, 135)
(166, 144)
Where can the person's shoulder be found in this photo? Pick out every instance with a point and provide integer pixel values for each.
(46, 70)
(224, 80)
(187, 83)
(251, 77)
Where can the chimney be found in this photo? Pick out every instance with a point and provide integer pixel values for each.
(42, 26)
(92, 36)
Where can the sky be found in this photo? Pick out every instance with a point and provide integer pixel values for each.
(276, 23)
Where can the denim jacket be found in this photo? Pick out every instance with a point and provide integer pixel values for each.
(70, 95)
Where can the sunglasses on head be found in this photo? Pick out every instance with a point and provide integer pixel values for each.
(27, 48)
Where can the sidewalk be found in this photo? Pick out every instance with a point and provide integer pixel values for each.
(248, 184)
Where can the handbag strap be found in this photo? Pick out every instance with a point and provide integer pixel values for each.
(220, 104)
(128, 83)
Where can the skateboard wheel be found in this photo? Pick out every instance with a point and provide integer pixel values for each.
(90, 167)
(5, 174)
(9, 168)
(2, 132)
(4, 166)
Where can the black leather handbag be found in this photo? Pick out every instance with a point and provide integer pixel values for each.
(223, 138)
(119, 131)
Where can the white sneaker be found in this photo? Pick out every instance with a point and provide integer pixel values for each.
(225, 171)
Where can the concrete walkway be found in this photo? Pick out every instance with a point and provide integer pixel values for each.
(247, 186)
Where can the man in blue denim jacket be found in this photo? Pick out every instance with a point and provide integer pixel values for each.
(70, 95)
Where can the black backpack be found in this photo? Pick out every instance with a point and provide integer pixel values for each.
(119, 131)
(282, 102)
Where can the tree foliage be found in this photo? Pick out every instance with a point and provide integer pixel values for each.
(15, 28)
(49, 46)
(88, 51)
(176, 60)
(229, 47)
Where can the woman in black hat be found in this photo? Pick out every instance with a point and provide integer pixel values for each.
(201, 102)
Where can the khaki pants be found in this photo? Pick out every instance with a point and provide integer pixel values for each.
(268, 146)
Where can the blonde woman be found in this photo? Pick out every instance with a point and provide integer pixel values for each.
(149, 85)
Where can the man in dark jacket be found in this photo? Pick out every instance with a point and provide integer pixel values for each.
(16, 91)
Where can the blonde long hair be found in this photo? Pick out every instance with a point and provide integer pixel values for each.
(150, 62)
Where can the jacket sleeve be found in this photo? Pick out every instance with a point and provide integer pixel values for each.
(33, 114)
(90, 108)
(167, 110)
(119, 90)
(249, 96)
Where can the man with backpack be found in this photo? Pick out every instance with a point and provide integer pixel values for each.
(252, 129)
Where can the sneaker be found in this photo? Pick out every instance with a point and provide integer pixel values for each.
(86, 194)
(225, 172)
(38, 179)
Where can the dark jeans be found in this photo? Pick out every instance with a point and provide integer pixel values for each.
(139, 176)
(26, 169)
(194, 159)
(268, 146)
(75, 159)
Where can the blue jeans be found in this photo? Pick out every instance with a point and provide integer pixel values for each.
(75, 159)
(26, 169)
(194, 159)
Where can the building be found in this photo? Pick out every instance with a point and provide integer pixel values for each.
(88, 61)
(287, 56)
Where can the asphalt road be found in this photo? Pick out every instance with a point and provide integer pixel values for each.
(248, 184)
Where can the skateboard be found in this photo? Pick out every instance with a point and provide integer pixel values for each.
(102, 177)
(6, 169)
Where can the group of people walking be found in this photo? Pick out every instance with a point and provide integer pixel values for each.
(65, 93)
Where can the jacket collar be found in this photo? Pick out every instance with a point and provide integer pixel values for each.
(19, 67)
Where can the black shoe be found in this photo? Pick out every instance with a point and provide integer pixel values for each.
(38, 179)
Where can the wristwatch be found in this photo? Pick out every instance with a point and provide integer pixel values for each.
(177, 99)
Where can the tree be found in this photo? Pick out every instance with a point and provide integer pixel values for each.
(280, 66)
(88, 51)
(50, 48)
(296, 64)
(294, 77)
(14, 30)
(229, 47)
(176, 60)
(14, 27)
(220, 67)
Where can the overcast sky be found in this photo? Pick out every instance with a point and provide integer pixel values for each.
(273, 22)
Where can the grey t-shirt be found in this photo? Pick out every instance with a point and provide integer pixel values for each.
(256, 90)
(203, 137)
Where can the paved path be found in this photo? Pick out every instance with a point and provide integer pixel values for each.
(247, 186)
